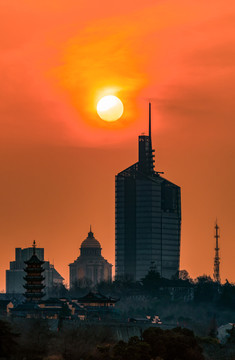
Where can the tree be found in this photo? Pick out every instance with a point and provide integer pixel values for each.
(157, 343)
(227, 297)
(8, 340)
(183, 275)
(151, 282)
(206, 290)
(35, 338)
(231, 332)
(213, 332)
(177, 343)
(135, 349)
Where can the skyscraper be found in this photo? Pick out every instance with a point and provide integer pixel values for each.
(148, 218)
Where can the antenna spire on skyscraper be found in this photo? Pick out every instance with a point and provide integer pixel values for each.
(146, 157)
(151, 161)
(150, 135)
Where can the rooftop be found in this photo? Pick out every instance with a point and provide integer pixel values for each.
(90, 241)
(93, 297)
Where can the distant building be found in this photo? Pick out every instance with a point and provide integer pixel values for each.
(34, 306)
(95, 306)
(148, 218)
(96, 300)
(34, 278)
(44, 309)
(90, 265)
(15, 275)
(5, 306)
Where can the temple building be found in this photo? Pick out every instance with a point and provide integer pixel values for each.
(33, 288)
(95, 306)
(90, 267)
(96, 300)
(15, 275)
(34, 279)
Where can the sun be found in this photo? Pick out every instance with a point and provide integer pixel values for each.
(110, 108)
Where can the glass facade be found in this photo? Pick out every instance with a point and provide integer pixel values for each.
(147, 219)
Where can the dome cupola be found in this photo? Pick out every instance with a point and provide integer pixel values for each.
(90, 246)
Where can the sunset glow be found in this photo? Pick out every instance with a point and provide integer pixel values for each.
(59, 158)
(110, 108)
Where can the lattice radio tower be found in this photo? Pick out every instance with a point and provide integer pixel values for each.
(216, 274)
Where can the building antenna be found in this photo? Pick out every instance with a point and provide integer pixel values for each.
(151, 156)
(216, 274)
(150, 135)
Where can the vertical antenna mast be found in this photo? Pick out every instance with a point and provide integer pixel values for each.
(150, 135)
(216, 274)
(151, 166)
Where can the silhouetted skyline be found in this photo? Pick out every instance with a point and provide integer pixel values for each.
(59, 159)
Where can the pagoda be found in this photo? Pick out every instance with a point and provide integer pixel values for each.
(34, 279)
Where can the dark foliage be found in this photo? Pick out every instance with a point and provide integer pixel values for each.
(231, 332)
(8, 341)
(178, 344)
(227, 298)
(135, 349)
(35, 339)
(96, 342)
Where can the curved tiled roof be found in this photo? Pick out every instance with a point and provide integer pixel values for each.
(34, 260)
(90, 242)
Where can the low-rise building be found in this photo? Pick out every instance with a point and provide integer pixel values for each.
(5, 307)
(95, 306)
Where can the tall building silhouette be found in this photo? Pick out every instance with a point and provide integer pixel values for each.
(148, 217)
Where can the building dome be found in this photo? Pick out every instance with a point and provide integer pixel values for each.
(90, 265)
(90, 242)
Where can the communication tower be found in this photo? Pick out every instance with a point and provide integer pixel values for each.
(216, 274)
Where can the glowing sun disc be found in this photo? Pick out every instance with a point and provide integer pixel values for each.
(110, 108)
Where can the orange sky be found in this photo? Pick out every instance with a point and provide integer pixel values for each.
(58, 159)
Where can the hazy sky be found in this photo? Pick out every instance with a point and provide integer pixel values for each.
(59, 160)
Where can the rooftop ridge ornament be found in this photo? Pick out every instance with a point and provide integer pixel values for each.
(34, 247)
(90, 234)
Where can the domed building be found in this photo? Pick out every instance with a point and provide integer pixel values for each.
(90, 266)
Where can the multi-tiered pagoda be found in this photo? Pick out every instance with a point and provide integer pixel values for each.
(34, 279)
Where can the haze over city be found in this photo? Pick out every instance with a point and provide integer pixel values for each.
(59, 158)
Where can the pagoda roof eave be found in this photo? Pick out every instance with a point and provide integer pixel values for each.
(34, 260)
(96, 298)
